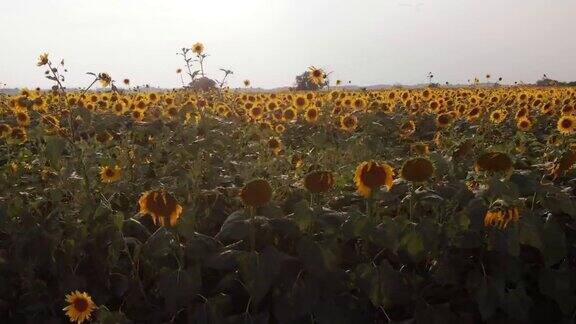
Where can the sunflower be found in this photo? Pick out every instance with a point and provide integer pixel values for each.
(498, 116)
(279, 128)
(499, 215)
(316, 75)
(256, 112)
(126, 82)
(105, 79)
(5, 129)
(463, 149)
(371, 175)
(275, 144)
(80, 306)
(348, 122)
(566, 125)
(161, 206)
(198, 48)
(22, 117)
(256, 193)
(289, 114)
(319, 181)
(494, 162)
(419, 149)
(42, 59)
(443, 120)
(312, 114)
(417, 170)
(524, 124)
(18, 134)
(564, 164)
(301, 102)
(246, 83)
(109, 174)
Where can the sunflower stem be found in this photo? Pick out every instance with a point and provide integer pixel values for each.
(252, 212)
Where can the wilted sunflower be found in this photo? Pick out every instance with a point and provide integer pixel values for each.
(319, 181)
(563, 164)
(126, 81)
(408, 128)
(80, 306)
(499, 215)
(566, 124)
(246, 83)
(161, 206)
(371, 175)
(18, 134)
(316, 75)
(417, 170)
(198, 48)
(256, 193)
(348, 122)
(494, 162)
(105, 79)
(109, 174)
(42, 59)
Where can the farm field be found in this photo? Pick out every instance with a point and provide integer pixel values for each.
(432, 205)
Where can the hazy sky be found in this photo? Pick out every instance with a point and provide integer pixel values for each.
(270, 41)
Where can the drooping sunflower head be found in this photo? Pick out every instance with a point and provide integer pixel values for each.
(80, 306)
(275, 144)
(256, 193)
(109, 174)
(246, 83)
(319, 181)
(494, 162)
(417, 169)
(500, 215)
(443, 120)
(42, 59)
(105, 79)
(371, 175)
(161, 206)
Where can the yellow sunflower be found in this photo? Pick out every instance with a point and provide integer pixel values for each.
(316, 75)
(566, 124)
(371, 175)
(500, 215)
(348, 122)
(109, 174)
(80, 306)
(161, 206)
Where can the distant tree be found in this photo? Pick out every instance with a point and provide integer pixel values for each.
(303, 82)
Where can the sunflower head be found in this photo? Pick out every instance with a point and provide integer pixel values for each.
(566, 124)
(316, 75)
(500, 214)
(105, 79)
(319, 181)
(256, 193)
(494, 162)
(348, 122)
(109, 174)
(42, 59)
(161, 206)
(371, 175)
(80, 306)
(418, 169)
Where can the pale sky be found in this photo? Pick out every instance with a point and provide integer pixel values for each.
(270, 41)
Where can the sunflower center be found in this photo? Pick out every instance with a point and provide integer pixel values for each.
(80, 304)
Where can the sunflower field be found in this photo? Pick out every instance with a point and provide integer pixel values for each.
(429, 205)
